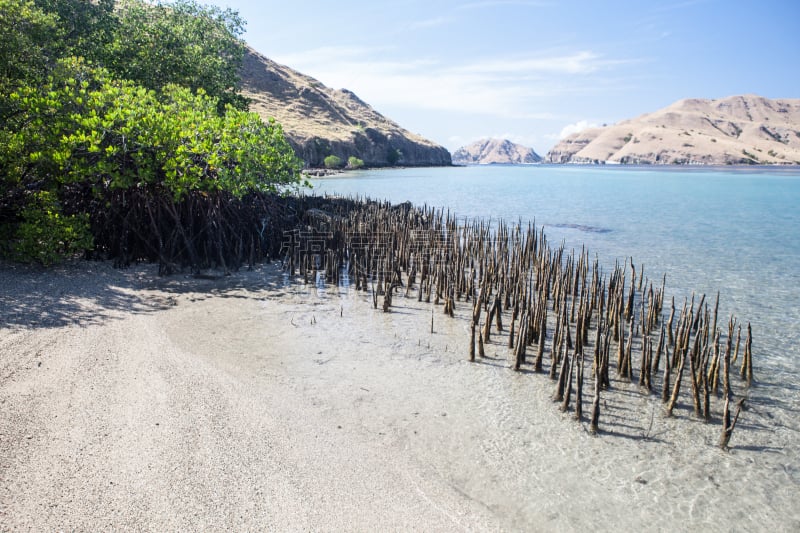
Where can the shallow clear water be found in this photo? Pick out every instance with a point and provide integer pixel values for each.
(733, 230)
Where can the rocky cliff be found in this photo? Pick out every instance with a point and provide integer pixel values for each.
(729, 131)
(495, 152)
(320, 121)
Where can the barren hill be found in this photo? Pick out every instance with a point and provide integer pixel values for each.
(493, 152)
(319, 121)
(736, 130)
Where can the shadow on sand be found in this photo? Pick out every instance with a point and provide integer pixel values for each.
(86, 293)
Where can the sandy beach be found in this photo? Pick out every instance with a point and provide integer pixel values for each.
(255, 402)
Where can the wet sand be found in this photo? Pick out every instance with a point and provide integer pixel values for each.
(256, 402)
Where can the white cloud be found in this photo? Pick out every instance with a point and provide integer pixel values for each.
(430, 23)
(582, 62)
(581, 125)
(521, 87)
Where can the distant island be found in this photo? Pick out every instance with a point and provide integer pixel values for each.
(495, 152)
(319, 121)
(739, 130)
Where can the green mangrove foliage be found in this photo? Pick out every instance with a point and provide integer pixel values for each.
(180, 43)
(333, 161)
(46, 235)
(393, 156)
(83, 28)
(84, 127)
(354, 163)
(26, 42)
(138, 134)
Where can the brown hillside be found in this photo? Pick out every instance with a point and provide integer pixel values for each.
(320, 121)
(736, 130)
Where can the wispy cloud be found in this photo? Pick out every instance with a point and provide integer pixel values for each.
(499, 3)
(505, 86)
(430, 23)
(582, 62)
(678, 5)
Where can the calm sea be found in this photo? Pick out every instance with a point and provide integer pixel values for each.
(736, 231)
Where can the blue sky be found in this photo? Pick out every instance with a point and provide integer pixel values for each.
(530, 70)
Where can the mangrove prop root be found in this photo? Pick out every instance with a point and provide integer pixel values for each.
(391, 251)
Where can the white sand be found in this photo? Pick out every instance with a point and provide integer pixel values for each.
(132, 402)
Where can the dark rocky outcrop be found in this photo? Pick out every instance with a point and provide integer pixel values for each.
(320, 121)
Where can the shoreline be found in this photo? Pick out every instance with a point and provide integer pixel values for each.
(324, 172)
(256, 401)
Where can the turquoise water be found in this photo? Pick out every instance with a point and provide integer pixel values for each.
(732, 230)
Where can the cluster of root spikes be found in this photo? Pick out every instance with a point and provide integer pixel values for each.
(560, 314)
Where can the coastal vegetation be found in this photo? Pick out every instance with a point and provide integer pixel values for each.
(124, 134)
(333, 161)
(354, 163)
(393, 156)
